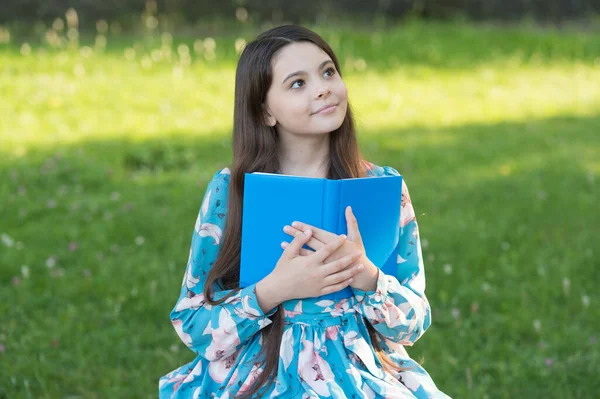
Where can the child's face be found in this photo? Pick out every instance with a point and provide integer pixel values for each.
(291, 105)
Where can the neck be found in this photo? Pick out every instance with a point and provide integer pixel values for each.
(306, 156)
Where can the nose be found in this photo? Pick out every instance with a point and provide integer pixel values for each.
(323, 91)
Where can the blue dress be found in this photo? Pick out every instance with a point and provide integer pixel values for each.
(326, 350)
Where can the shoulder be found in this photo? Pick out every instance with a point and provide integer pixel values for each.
(377, 170)
(386, 170)
(216, 189)
(220, 179)
(222, 174)
(214, 202)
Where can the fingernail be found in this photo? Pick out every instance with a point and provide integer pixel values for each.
(307, 232)
(343, 236)
(295, 224)
(284, 244)
(360, 267)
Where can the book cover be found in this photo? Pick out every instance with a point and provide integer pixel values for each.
(273, 200)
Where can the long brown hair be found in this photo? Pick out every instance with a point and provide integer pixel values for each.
(256, 149)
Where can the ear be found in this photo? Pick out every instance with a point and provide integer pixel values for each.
(268, 118)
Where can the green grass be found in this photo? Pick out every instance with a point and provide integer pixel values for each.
(104, 162)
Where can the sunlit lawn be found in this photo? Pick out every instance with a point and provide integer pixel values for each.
(105, 152)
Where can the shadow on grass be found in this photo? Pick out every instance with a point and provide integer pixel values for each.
(96, 237)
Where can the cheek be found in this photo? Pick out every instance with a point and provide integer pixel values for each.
(342, 95)
(342, 91)
(292, 108)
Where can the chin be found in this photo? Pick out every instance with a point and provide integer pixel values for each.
(329, 127)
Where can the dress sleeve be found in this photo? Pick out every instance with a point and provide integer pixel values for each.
(398, 308)
(215, 331)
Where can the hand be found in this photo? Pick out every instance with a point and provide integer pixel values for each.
(306, 276)
(367, 279)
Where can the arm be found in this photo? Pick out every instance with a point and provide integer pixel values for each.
(398, 308)
(215, 331)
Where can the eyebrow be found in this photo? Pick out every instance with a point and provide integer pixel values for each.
(302, 72)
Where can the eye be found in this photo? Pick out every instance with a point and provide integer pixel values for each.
(330, 69)
(296, 81)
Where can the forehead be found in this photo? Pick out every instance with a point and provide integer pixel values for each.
(300, 56)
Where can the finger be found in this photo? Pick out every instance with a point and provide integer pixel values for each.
(303, 251)
(313, 242)
(349, 224)
(344, 275)
(336, 287)
(352, 226)
(319, 234)
(321, 254)
(340, 264)
(293, 250)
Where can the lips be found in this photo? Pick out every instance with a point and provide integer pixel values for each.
(324, 107)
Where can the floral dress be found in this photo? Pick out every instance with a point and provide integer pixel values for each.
(326, 351)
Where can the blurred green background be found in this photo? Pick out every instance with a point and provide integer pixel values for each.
(111, 128)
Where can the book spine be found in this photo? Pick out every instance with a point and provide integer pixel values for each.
(331, 222)
(341, 211)
(331, 206)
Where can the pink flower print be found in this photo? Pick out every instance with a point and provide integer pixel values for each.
(195, 372)
(192, 302)
(396, 315)
(405, 194)
(185, 337)
(225, 337)
(178, 379)
(331, 332)
(292, 313)
(340, 307)
(314, 370)
(407, 212)
(254, 374)
(220, 369)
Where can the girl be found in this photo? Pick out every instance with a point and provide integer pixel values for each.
(274, 339)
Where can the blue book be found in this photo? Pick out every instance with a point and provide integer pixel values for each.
(272, 201)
